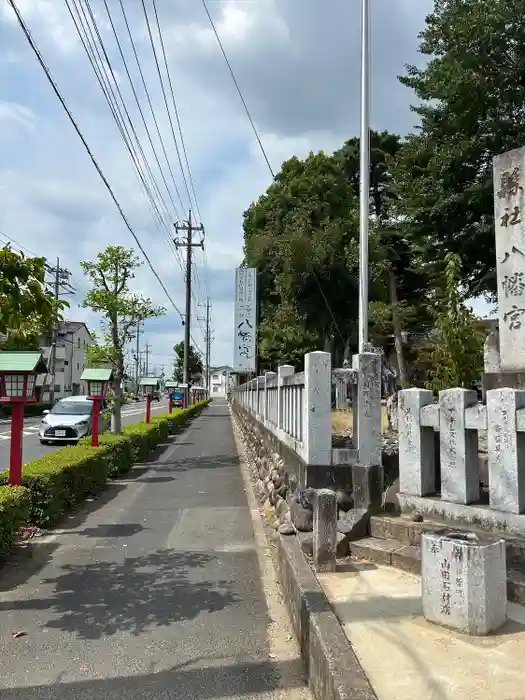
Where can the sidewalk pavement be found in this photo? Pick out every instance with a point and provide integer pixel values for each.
(160, 590)
(407, 658)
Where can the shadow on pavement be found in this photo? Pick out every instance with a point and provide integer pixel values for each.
(94, 600)
(207, 681)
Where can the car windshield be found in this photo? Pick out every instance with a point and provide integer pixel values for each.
(71, 408)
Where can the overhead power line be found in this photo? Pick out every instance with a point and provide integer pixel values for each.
(263, 150)
(81, 136)
(261, 146)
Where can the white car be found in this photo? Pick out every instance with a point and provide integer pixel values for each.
(69, 420)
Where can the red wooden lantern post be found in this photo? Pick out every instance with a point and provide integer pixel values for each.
(18, 371)
(171, 386)
(149, 386)
(98, 380)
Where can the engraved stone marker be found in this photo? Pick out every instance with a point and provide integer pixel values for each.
(325, 530)
(509, 219)
(464, 581)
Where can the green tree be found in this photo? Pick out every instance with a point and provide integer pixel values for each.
(303, 237)
(471, 101)
(195, 367)
(455, 352)
(122, 309)
(27, 308)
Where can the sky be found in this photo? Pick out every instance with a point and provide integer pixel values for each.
(297, 64)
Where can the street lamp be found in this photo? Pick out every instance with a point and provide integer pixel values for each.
(150, 386)
(98, 379)
(18, 371)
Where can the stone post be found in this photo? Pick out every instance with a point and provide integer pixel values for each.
(317, 409)
(416, 444)
(268, 378)
(325, 530)
(282, 372)
(458, 447)
(464, 581)
(506, 451)
(368, 366)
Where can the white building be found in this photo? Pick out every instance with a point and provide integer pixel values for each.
(72, 341)
(222, 380)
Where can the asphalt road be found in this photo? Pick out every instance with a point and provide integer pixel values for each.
(32, 449)
(160, 590)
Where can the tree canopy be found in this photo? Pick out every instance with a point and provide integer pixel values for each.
(27, 308)
(303, 236)
(195, 367)
(471, 102)
(122, 309)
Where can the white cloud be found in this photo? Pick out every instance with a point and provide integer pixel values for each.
(297, 64)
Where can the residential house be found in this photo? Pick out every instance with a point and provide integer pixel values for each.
(73, 339)
(222, 380)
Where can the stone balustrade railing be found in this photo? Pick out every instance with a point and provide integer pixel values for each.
(297, 407)
(458, 417)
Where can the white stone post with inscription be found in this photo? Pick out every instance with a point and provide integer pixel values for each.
(509, 219)
(368, 409)
(458, 447)
(506, 451)
(317, 409)
(417, 475)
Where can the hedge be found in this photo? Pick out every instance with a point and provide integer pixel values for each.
(30, 409)
(15, 511)
(57, 482)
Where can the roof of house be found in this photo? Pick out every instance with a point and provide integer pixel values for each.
(72, 327)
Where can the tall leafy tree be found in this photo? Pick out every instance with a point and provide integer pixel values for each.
(27, 308)
(455, 351)
(111, 275)
(195, 367)
(471, 102)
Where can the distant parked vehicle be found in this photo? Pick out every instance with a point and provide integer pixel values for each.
(70, 420)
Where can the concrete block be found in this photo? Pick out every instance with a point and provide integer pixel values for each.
(458, 447)
(368, 366)
(354, 524)
(416, 444)
(367, 482)
(325, 530)
(506, 451)
(464, 581)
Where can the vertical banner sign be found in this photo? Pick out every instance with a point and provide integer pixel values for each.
(245, 350)
(509, 219)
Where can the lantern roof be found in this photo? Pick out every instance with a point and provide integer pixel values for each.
(149, 381)
(97, 374)
(22, 361)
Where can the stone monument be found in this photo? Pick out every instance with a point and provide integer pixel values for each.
(464, 581)
(505, 346)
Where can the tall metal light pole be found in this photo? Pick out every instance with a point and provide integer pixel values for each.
(364, 176)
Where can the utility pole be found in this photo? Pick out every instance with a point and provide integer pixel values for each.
(189, 228)
(60, 285)
(147, 351)
(137, 359)
(207, 341)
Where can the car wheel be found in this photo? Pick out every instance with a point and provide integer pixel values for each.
(44, 442)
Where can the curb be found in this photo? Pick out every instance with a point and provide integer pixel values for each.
(334, 672)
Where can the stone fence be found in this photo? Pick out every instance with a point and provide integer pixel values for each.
(459, 418)
(296, 408)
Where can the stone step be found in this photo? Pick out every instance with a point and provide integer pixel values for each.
(408, 532)
(407, 557)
